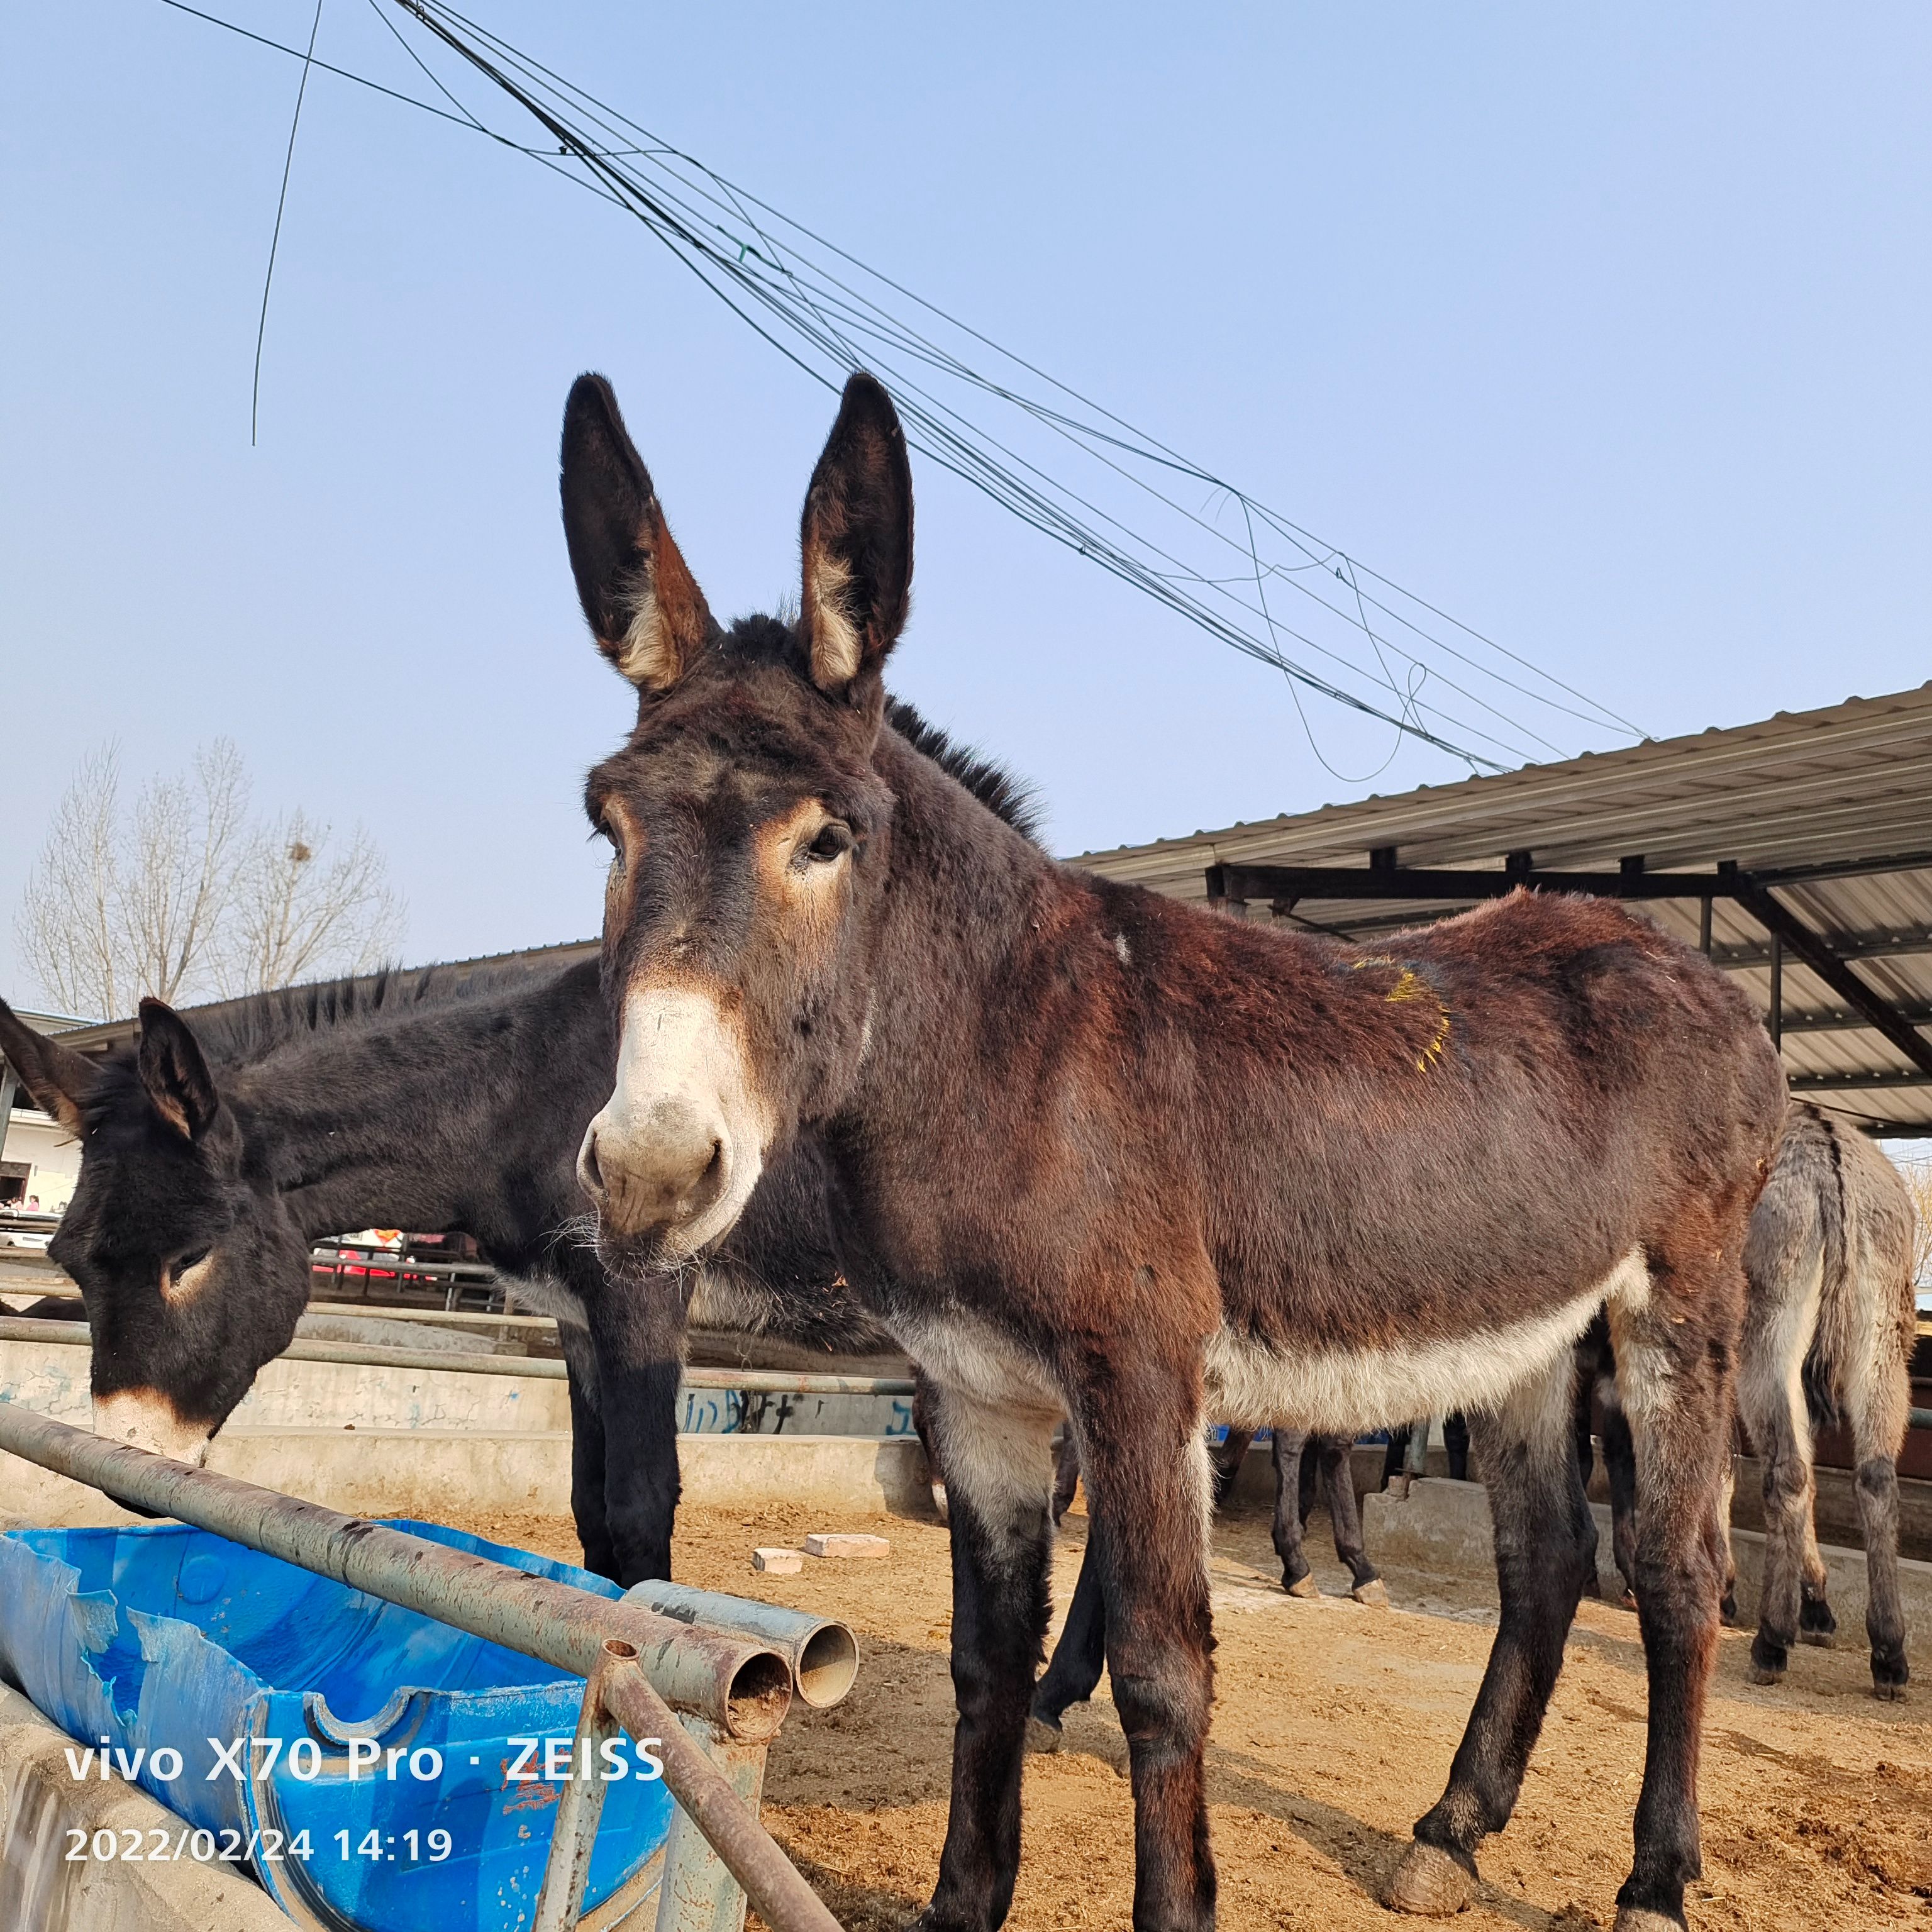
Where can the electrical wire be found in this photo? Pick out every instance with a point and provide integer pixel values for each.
(1368, 644)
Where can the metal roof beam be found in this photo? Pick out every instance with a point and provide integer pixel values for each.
(1913, 943)
(1856, 1083)
(1815, 951)
(1824, 1020)
(1842, 868)
(1387, 880)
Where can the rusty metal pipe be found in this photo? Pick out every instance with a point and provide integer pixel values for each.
(824, 1652)
(741, 1685)
(770, 1880)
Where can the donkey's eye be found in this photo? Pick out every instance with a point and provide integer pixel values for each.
(834, 842)
(193, 1261)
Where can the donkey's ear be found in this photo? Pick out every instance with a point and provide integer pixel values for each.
(57, 1077)
(173, 1072)
(647, 612)
(857, 541)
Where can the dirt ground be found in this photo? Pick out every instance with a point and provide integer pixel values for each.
(1333, 1728)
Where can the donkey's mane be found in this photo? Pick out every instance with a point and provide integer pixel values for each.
(1012, 798)
(242, 1033)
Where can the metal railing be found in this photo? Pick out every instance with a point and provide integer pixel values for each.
(539, 1368)
(730, 1690)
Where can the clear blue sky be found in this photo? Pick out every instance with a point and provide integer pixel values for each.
(1606, 329)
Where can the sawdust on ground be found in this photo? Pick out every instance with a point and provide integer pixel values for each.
(1333, 1728)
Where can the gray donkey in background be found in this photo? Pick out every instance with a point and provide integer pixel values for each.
(1827, 1337)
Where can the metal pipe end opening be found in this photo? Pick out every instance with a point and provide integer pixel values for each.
(828, 1665)
(759, 1696)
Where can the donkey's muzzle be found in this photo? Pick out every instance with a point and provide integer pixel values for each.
(657, 1172)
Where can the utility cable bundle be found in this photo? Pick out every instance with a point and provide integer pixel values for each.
(1080, 474)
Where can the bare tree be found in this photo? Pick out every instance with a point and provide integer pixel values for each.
(296, 909)
(182, 897)
(180, 871)
(69, 923)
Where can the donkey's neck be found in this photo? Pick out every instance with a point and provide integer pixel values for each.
(968, 893)
(465, 1116)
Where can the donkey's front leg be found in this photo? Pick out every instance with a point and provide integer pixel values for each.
(999, 1477)
(1546, 1541)
(1149, 1487)
(636, 1334)
(586, 1451)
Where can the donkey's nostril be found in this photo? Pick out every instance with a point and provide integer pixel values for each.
(589, 1175)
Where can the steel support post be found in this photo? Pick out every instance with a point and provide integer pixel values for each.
(573, 1835)
(699, 1894)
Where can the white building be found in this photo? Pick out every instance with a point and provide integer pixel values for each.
(40, 1161)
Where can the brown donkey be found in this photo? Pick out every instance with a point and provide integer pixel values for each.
(1097, 1150)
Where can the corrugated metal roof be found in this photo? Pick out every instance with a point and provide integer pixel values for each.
(1848, 787)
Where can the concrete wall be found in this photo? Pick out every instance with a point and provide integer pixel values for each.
(451, 1474)
(41, 1801)
(52, 1378)
(1443, 1528)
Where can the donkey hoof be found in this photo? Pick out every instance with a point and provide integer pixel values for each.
(1041, 1736)
(939, 1501)
(1429, 1883)
(1756, 1672)
(1640, 1918)
(1890, 1675)
(1820, 1639)
(1375, 1592)
(1302, 1586)
(1628, 1601)
(1727, 1610)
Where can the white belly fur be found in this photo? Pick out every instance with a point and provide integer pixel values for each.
(1339, 1390)
(972, 1358)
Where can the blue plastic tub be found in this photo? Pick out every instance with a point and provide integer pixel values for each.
(163, 1638)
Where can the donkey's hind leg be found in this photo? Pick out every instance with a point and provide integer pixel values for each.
(1297, 1578)
(1226, 1461)
(1620, 1471)
(1066, 1473)
(999, 1475)
(1674, 1348)
(1078, 1658)
(1880, 1408)
(1546, 1540)
(1334, 1456)
(1770, 1400)
(1148, 1488)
